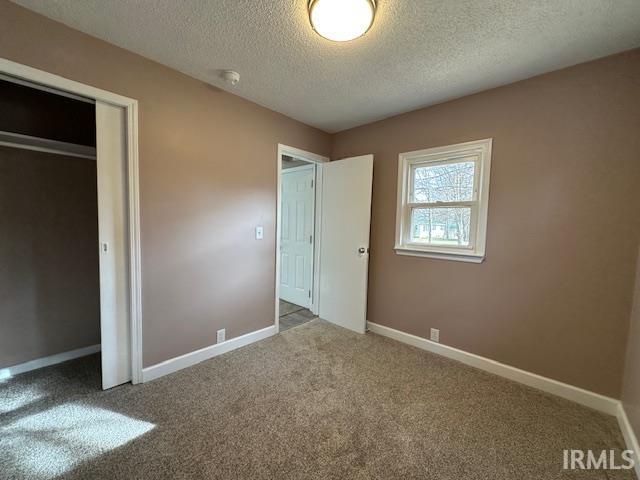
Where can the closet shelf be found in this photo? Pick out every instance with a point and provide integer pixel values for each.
(26, 142)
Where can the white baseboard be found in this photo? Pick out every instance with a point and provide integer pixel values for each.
(188, 359)
(48, 361)
(629, 435)
(584, 397)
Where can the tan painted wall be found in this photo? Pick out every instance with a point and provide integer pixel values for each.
(631, 385)
(207, 178)
(49, 281)
(554, 294)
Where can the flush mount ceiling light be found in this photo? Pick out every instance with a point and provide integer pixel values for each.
(341, 20)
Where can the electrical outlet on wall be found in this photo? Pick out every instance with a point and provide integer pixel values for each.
(435, 335)
(220, 336)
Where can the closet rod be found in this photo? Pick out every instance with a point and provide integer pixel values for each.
(27, 142)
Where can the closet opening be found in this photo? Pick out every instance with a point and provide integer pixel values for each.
(49, 240)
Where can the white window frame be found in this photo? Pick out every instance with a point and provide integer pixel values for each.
(407, 162)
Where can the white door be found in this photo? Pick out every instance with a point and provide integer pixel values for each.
(113, 234)
(296, 235)
(344, 245)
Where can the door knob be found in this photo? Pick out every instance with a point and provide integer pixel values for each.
(362, 251)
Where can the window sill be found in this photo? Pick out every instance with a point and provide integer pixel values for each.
(455, 256)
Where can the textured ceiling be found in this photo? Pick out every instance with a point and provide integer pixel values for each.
(418, 52)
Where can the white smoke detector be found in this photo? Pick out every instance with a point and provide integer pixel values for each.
(231, 77)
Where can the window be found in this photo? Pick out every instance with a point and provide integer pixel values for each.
(443, 196)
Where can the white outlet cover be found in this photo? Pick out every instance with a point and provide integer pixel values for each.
(435, 335)
(220, 336)
(259, 233)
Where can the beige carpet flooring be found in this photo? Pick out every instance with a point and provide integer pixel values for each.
(315, 402)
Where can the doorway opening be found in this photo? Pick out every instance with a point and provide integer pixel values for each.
(322, 239)
(299, 198)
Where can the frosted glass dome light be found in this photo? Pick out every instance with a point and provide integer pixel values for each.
(341, 20)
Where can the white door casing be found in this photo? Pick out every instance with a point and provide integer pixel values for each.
(115, 323)
(344, 245)
(296, 234)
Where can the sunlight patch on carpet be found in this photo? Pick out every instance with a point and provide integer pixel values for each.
(50, 443)
(12, 399)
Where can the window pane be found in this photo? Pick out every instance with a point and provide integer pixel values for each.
(451, 182)
(441, 226)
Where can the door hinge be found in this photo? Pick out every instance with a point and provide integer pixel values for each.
(311, 183)
(311, 239)
(309, 293)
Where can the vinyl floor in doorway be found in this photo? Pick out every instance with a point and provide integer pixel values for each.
(292, 315)
(315, 402)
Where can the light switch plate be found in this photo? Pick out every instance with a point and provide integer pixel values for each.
(259, 233)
